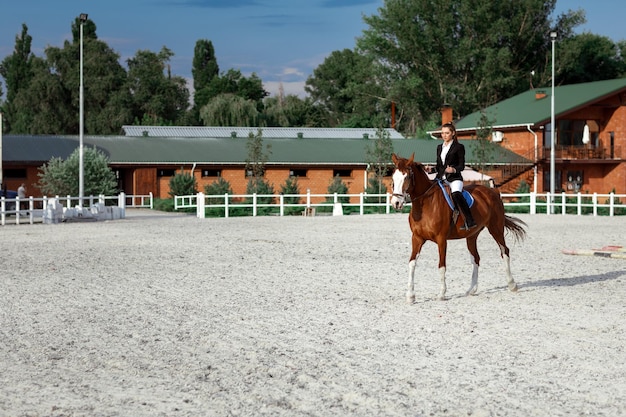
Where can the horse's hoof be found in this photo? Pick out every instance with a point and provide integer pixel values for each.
(441, 298)
(472, 291)
(410, 298)
(513, 287)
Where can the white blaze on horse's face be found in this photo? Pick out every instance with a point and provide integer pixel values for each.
(397, 198)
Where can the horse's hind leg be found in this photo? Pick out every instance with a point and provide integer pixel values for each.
(498, 235)
(475, 258)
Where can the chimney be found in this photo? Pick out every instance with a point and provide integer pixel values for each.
(446, 114)
(539, 94)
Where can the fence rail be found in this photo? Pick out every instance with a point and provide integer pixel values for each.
(225, 205)
(32, 209)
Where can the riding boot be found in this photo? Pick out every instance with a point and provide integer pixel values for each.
(461, 204)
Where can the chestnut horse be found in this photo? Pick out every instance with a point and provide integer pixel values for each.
(431, 218)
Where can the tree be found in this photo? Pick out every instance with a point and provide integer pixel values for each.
(255, 168)
(344, 86)
(219, 187)
(587, 57)
(378, 158)
(468, 54)
(229, 110)
(204, 70)
(61, 177)
(183, 183)
(291, 187)
(257, 157)
(158, 97)
(17, 71)
(338, 186)
(484, 149)
(292, 111)
(46, 100)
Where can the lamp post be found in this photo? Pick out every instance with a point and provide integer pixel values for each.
(552, 132)
(81, 128)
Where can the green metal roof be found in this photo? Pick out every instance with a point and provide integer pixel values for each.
(525, 109)
(123, 150)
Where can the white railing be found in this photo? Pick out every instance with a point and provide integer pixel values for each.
(32, 209)
(224, 205)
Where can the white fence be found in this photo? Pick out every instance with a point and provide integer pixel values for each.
(534, 203)
(31, 209)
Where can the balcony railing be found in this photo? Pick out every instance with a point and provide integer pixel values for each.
(583, 152)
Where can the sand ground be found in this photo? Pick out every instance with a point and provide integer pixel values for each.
(169, 315)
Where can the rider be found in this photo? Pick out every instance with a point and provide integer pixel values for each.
(450, 163)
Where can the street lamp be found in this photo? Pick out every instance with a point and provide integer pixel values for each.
(552, 130)
(81, 128)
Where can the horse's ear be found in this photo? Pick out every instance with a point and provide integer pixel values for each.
(394, 158)
(412, 158)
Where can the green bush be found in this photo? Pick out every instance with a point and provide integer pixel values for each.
(291, 187)
(260, 186)
(219, 187)
(182, 183)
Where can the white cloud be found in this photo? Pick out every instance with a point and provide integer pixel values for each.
(289, 88)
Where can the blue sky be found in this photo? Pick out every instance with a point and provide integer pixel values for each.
(282, 41)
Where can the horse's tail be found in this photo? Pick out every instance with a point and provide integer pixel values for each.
(515, 226)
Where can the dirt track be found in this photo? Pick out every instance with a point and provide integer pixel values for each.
(178, 316)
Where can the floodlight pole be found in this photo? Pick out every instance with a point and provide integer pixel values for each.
(553, 36)
(81, 167)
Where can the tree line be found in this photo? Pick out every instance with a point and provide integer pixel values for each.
(413, 57)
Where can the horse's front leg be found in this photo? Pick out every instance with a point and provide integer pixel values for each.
(475, 258)
(443, 247)
(415, 253)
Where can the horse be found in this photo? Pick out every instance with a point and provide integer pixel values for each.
(431, 218)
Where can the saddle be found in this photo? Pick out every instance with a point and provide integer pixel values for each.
(446, 193)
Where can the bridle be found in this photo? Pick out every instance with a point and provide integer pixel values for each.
(410, 177)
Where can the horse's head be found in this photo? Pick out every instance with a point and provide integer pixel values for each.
(407, 178)
(401, 180)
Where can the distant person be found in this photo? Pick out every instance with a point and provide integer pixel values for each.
(21, 194)
(450, 163)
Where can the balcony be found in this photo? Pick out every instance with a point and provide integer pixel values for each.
(579, 153)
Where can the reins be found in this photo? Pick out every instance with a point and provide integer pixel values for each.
(411, 175)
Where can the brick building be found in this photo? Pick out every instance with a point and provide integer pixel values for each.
(147, 157)
(590, 137)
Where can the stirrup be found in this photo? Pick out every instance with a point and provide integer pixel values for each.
(466, 227)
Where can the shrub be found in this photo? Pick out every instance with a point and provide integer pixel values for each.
(182, 183)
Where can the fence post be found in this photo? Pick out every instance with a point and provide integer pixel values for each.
(31, 206)
(254, 205)
(563, 203)
(281, 200)
(200, 213)
(387, 202)
(308, 198)
(533, 202)
(611, 205)
(361, 201)
(579, 203)
(595, 204)
(226, 205)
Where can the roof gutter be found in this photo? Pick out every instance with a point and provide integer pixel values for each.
(470, 129)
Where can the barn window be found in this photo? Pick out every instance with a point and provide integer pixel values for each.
(14, 173)
(211, 172)
(298, 173)
(166, 172)
(342, 173)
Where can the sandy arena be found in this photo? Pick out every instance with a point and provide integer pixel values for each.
(170, 315)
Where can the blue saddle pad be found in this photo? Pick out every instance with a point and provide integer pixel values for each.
(468, 197)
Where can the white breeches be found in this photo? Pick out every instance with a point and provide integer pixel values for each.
(456, 186)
